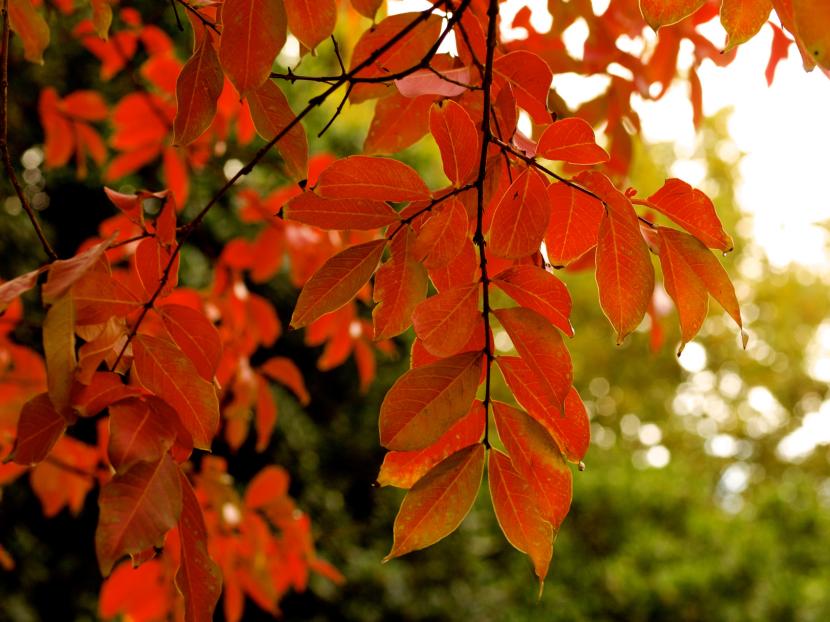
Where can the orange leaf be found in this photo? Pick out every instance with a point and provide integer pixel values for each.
(742, 19)
(58, 487)
(398, 123)
(197, 92)
(574, 224)
(812, 24)
(692, 210)
(400, 284)
(445, 322)
(427, 400)
(403, 468)
(460, 271)
(530, 78)
(570, 429)
(65, 272)
(442, 237)
(367, 177)
(407, 51)
(151, 259)
(98, 296)
(138, 507)
(38, 429)
(311, 21)
(689, 271)
(265, 418)
(136, 593)
(137, 433)
(59, 351)
(284, 371)
(195, 335)
(30, 26)
(541, 348)
(443, 82)
(162, 368)
(271, 114)
(10, 290)
(361, 214)
(253, 33)
(104, 389)
(538, 460)
(571, 140)
(520, 218)
(337, 281)
(457, 139)
(199, 579)
(519, 519)
(539, 290)
(435, 506)
(367, 8)
(659, 13)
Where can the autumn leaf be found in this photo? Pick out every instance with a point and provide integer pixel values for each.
(367, 8)
(435, 506)
(39, 428)
(195, 335)
(520, 217)
(64, 273)
(285, 371)
(398, 123)
(197, 91)
(98, 297)
(530, 77)
(457, 138)
(444, 322)
(812, 24)
(427, 400)
(693, 210)
(571, 140)
(271, 114)
(659, 13)
(446, 82)
(30, 26)
(539, 290)
(742, 19)
(368, 177)
(136, 509)
(59, 351)
(246, 49)
(573, 229)
(360, 214)
(337, 281)
(104, 388)
(519, 519)
(11, 290)
(441, 239)
(400, 285)
(137, 433)
(311, 21)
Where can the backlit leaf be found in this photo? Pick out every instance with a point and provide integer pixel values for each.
(367, 177)
(519, 519)
(539, 290)
(812, 23)
(285, 371)
(38, 429)
(137, 433)
(403, 468)
(253, 33)
(64, 273)
(538, 460)
(10, 290)
(457, 139)
(742, 19)
(271, 114)
(444, 322)
(361, 214)
(195, 335)
(398, 123)
(367, 8)
(105, 388)
(659, 13)
(530, 77)
(337, 281)
(163, 369)
(574, 224)
(446, 82)
(197, 91)
(435, 506)
(571, 140)
(693, 210)
(520, 218)
(311, 21)
(442, 237)
(137, 508)
(98, 296)
(400, 285)
(30, 26)
(427, 400)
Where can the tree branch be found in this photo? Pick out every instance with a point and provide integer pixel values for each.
(4, 145)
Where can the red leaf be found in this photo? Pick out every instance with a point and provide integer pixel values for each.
(266, 413)
(39, 428)
(444, 82)
(457, 139)
(445, 322)
(571, 430)
(137, 508)
(538, 460)
(426, 401)
(659, 13)
(361, 214)
(442, 237)
(571, 140)
(64, 273)
(520, 218)
(435, 506)
(271, 114)
(519, 519)
(197, 91)
(539, 290)
(407, 51)
(460, 271)
(311, 21)
(30, 26)
(400, 284)
(398, 123)
(253, 33)
(199, 579)
(337, 281)
(403, 468)
(367, 177)
(692, 210)
(162, 368)
(195, 335)
(137, 433)
(104, 389)
(574, 224)
(530, 77)
(11, 290)
(284, 371)
(779, 50)
(151, 259)
(58, 487)
(690, 270)
(98, 296)
(540, 346)
(742, 19)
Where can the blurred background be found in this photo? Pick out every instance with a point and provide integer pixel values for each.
(706, 493)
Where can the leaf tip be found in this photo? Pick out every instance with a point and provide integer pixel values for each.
(744, 338)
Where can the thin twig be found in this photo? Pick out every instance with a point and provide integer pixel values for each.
(429, 207)
(4, 144)
(471, 87)
(337, 112)
(179, 24)
(199, 16)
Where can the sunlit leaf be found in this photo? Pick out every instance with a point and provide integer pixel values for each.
(367, 177)
(693, 210)
(520, 218)
(539, 290)
(400, 285)
(571, 140)
(445, 321)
